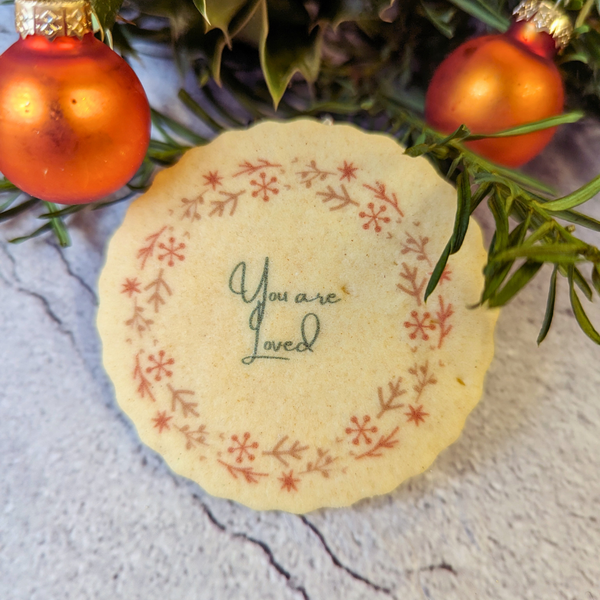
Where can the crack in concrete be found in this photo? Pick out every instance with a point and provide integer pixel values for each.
(18, 286)
(262, 545)
(12, 260)
(339, 564)
(51, 314)
(279, 568)
(209, 514)
(90, 290)
(443, 565)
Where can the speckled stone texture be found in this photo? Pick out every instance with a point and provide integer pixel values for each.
(509, 511)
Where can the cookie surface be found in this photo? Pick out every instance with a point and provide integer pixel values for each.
(263, 324)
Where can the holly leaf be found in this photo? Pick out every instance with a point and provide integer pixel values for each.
(182, 16)
(201, 6)
(219, 14)
(106, 11)
(217, 38)
(287, 45)
(338, 11)
(440, 16)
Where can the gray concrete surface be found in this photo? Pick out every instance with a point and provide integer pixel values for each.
(510, 511)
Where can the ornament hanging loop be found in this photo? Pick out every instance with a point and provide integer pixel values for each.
(53, 18)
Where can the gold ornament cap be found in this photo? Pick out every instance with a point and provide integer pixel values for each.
(53, 18)
(546, 17)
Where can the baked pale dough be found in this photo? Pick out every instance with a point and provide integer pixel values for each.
(263, 322)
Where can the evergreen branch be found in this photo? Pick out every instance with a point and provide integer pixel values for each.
(17, 210)
(563, 119)
(199, 111)
(43, 229)
(7, 186)
(57, 226)
(9, 198)
(537, 238)
(533, 227)
(164, 123)
(583, 194)
(549, 307)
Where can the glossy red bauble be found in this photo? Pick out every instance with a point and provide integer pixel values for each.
(74, 119)
(497, 82)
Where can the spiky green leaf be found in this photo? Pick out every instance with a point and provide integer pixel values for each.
(217, 39)
(287, 45)
(219, 14)
(338, 11)
(106, 11)
(201, 6)
(440, 16)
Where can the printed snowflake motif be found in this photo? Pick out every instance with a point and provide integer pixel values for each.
(416, 414)
(347, 171)
(264, 187)
(160, 366)
(288, 481)
(242, 447)
(171, 251)
(419, 325)
(131, 286)
(213, 179)
(374, 217)
(361, 430)
(161, 421)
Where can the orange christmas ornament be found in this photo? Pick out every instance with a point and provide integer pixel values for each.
(74, 118)
(497, 82)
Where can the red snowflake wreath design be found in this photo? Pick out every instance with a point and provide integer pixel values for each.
(171, 251)
(361, 430)
(160, 365)
(242, 447)
(264, 187)
(419, 325)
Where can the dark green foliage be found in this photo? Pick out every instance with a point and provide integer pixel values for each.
(369, 62)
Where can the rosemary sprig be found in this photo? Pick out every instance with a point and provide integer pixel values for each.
(527, 218)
